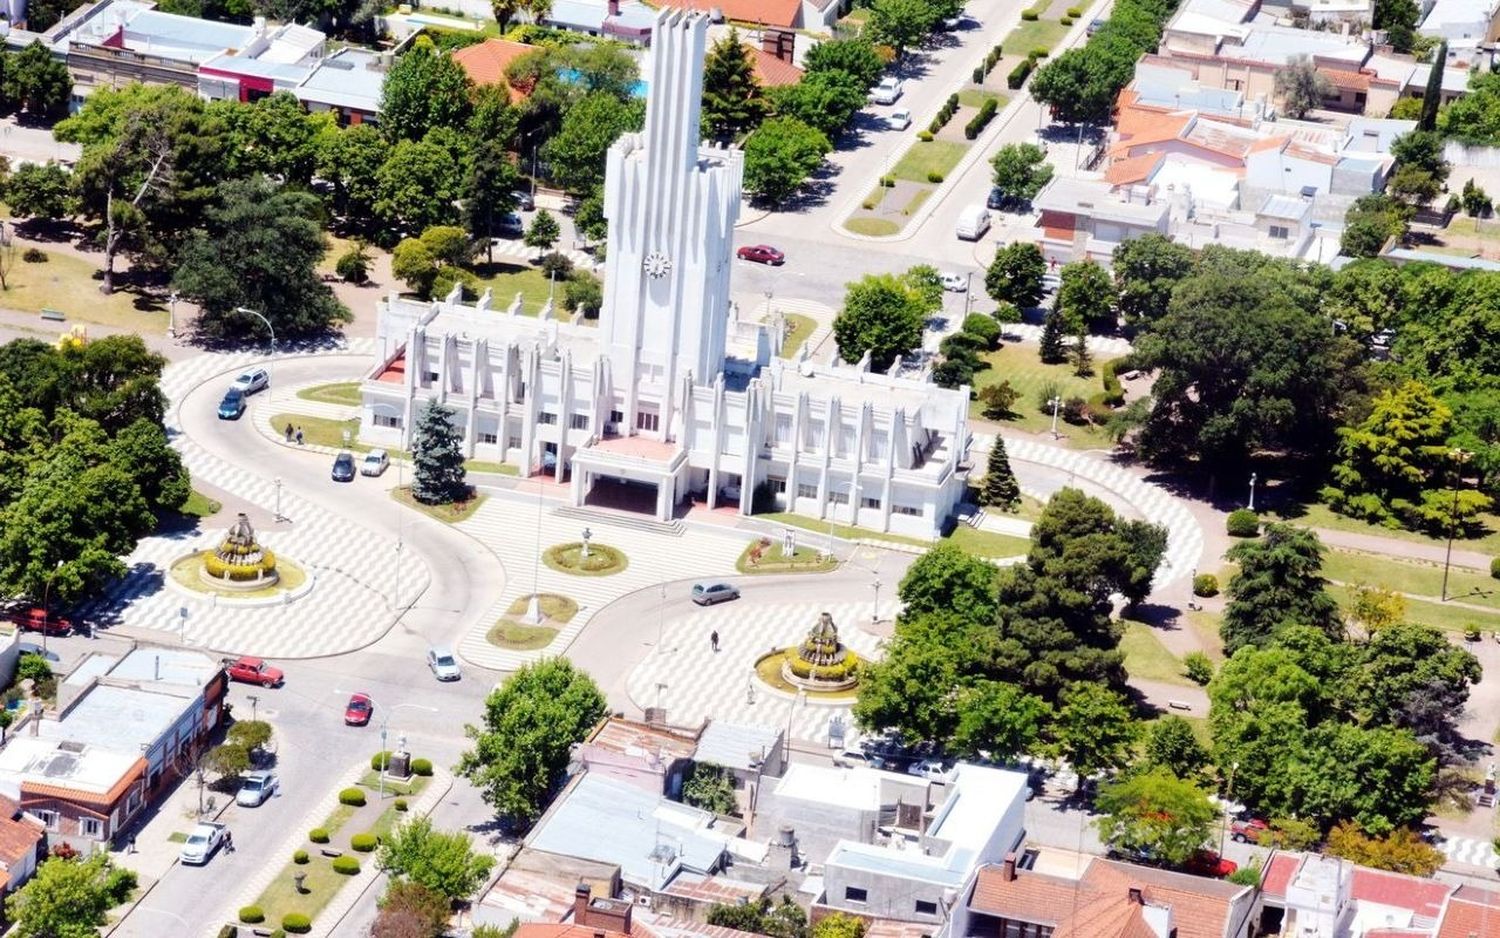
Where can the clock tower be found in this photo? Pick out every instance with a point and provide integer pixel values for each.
(671, 205)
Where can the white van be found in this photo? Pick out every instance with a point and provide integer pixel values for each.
(973, 222)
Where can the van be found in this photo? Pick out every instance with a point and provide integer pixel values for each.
(973, 222)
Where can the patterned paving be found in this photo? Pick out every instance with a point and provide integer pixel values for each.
(508, 525)
(693, 682)
(1112, 346)
(516, 249)
(1470, 851)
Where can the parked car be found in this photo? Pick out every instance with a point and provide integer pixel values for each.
(524, 200)
(899, 119)
(706, 594)
(248, 670)
(233, 404)
(1250, 830)
(37, 619)
(376, 461)
(257, 788)
(973, 222)
(956, 20)
(442, 663)
(761, 254)
(996, 198)
(203, 841)
(1094, 26)
(853, 758)
(358, 712)
(511, 224)
(887, 92)
(954, 281)
(256, 379)
(930, 769)
(343, 467)
(1209, 863)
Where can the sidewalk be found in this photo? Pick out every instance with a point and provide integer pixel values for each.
(156, 853)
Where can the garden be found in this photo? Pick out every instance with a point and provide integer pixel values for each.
(515, 632)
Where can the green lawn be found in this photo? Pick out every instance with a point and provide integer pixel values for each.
(1148, 659)
(934, 156)
(1037, 34)
(1206, 625)
(975, 97)
(518, 637)
(804, 560)
(981, 543)
(1450, 618)
(320, 431)
(458, 511)
(199, 505)
(872, 227)
(1317, 515)
(916, 200)
(497, 468)
(342, 392)
(798, 328)
(67, 283)
(319, 887)
(505, 280)
(1413, 577)
(1019, 364)
(988, 543)
(560, 609)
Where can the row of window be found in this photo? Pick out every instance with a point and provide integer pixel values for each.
(859, 896)
(87, 827)
(777, 485)
(812, 437)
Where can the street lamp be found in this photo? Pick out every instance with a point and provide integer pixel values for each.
(269, 328)
(46, 597)
(1224, 818)
(172, 315)
(1460, 457)
(254, 700)
(875, 620)
(278, 500)
(1056, 402)
(1251, 506)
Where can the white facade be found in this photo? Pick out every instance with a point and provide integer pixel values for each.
(670, 394)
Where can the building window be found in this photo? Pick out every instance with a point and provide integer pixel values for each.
(387, 420)
(648, 420)
(432, 376)
(877, 445)
(838, 498)
(513, 442)
(814, 436)
(48, 818)
(783, 428)
(846, 440)
(90, 827)
(776, 484)
(906, 510)
(616, 416)
(806, 491)
(1280, 232)
(489, 438)
(855, 894)
(578, 421)
(924, 907)
(133, 802)
(868, 502)
(546, 418)
(1360, 98)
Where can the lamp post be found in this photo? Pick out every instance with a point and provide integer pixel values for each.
(1224, 818)
(172, 315)
(1056, 402)
(269, 328)
(278, 500)
(1251, 506)
(46, 598)
(1459, 456)
(875, 620)
(254, 700)
(968, 293)
(586, 535)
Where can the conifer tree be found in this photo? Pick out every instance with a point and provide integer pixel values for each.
(437, 458)
(1083, 362)
(732, 102)
(1052, 339)
(1000, 489)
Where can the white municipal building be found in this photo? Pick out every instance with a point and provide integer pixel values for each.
(669, 397)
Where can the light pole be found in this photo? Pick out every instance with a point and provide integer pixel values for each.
(46, 598)
(1251, 506)
(172, 315)
(269, 328)
(254, 700)
(1055, 402)
(875, 620)
(278, 500)
(968, 293)
(182, 617)
(1224, 814)
(1459, 456)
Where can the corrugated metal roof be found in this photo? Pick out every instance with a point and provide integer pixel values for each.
(732, 744)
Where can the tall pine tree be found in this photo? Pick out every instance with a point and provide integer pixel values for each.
(1432, 96)
(1000, 489)
(1083, 362)
(1052, 338)
(732, 102)
(437, 458)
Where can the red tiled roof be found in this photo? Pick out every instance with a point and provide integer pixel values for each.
(1423, 897)
(18, 838)
(564, 930)
(1278, 875)
(63, 793)
(1343, 78)
(1471, 913)
(763, 12)
(1132, 169)
(770, 71)
(486, 62)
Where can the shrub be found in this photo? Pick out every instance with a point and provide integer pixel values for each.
(400, 804)
(318, 835)
(982, 327)
(1030, 15)
(1471, 633)
(1066, 21)
(1074, 12)
(363, 843)
(354, 797)
(252, 915)
(120, 883)
(978, 121)
(1242, 522)
(926, 135)
(888, 182)
(228, 931)
(345, 866)
(867, 204)
(449, 277)
(34, 256)
(1205, 584)
(1495, 567)
(299, 857)
(279, 933)
(1017, 76)
(353, 265)
(381, 760)
(422, 767)
(557, 263)
(978, 76)
(934, 177)
(1198, 667)
(295, 923)
(34, 667)
(951, 104)
(1114, 393)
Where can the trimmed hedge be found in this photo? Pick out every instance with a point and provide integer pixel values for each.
(1242, 522)
(345, 866)
(1066, 21)
(1019, 74)
(1114, 392)
(353, 797)
(1038, 53)
(826, 672)
(364, 843)
(978, 76)
(422, 767)
(934, 177)
(979, 120)
(239, 572)
(925, 136)
(299, 857)
(318, 835)
(1205, 584)
(252, 915)
(400, 804)
(1030, 15)
(295, 923)
(381, 760)
(1075, 12)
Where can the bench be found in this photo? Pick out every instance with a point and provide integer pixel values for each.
(53, 315)
(331, 853)
(1179, 705)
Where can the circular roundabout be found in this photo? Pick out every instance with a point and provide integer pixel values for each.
(239, 570)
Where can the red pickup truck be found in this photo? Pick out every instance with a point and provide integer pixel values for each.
(35, 619)
(254, 671)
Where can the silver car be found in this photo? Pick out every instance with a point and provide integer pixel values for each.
(375, 462)
(442, 663)
(257, 788)
(256, 379)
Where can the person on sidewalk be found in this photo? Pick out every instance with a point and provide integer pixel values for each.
(130, 845)
(289, 432)
(299, 436)
(713, 640)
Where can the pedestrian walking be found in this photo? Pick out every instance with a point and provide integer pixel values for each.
(299, 436)
(713, 640)
(131, 846)
(289, 433)
(229, 841)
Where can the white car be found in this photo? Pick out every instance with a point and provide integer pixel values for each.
(954, 281)
(900, 119)
(443, 665)
(930, 769)
(374, 463)
(887, 92)
(256, 379)
(203, 841)
(257, 789)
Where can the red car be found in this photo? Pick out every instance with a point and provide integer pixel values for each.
(35, 619)
(255, 671)
(761, 254)
(1208, 863)
(1250, 831)
(359, 710)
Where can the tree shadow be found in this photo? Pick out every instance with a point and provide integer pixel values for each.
(1155, 615)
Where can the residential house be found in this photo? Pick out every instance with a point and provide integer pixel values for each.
(773, 59)
(627, 21)
(653, 758)
(485, 63)
(1471, 912)
(1083, 218)
(750, 755)
(1463, 23)
(350, 83)
(1315, 896)
(22, 839)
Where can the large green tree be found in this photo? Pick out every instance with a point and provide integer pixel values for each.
(900, 24)
(1399, 20)
(531, 723)
(1301, 87)
(68, 898)
(443, 861)
(824, 101)
(425, 89)
(275, 136)
(947, 578)
(575, 156)
(1086, 298)
(1015, 274)
(38, 83)
(1094, 730)
(489, 191)
(1146, 270)
(856, 58)
(417, 187)
(38, 190)
(1020, 171)
(1279, 584)
(350, 161)
(437, 457)
(732, 100)
(1000, 489)
(883, 316)
(1157, 813)
(780, 156)
(259, 249)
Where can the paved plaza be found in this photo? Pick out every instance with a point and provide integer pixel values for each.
(693, 682)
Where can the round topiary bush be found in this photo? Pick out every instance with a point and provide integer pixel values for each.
(400, 804)
(1495, 567)
(421, 767)
(318, 835)
(934, 176)
(295, 923)
(363, 843)
(345, 866)
(353, 797)
(1471, 633)
(1205, 584)
(1242, 522)
(299, 857)
(252, 915)
(381, 760)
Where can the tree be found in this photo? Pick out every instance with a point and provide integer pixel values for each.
(1146, 269)
(1015, 274)
(1420, 167)
(1374, 607)
(583, 291)
(505, 10)
(1094, 729)
(489, 192)
(417, 187)
(437, 458)
(732, 102)
(784, 919)
(275, 136)
(883, 316)
(1172, 745)
(838, 925)
(412, 262)
(1021, 170)
(779, 157)
(410, 910)
(822, 100)
(1364, 297)
(1279, 584)
(1370, 222)
(38, 83)
(426, 88)
(575, 156)
(709, 787)
(229, 760)
(1086, 298)
(531, 723)
(252, 734)
(38, 190)
(946, 578)
(900, 24)
(1432, 94)
(66, 899)
(1300, 86)
(999, 400)
(442, 861)
(1399, 20)
(1157, 813)
(1400, 851)
(353, 266)
(910, 691)
(350, 160)
(1475, 202)
(543, 233)
(142, 450)
(855, 58)
(999, 720)
(1051, 348)
(449, 244)
(1081, 85)
(1411, 676)
(1000, 489)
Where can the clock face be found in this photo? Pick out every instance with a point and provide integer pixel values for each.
(656, 265)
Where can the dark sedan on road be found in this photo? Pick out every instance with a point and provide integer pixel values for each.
(358, 712)
(343, 467)
(233, 404)
(761, 254)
